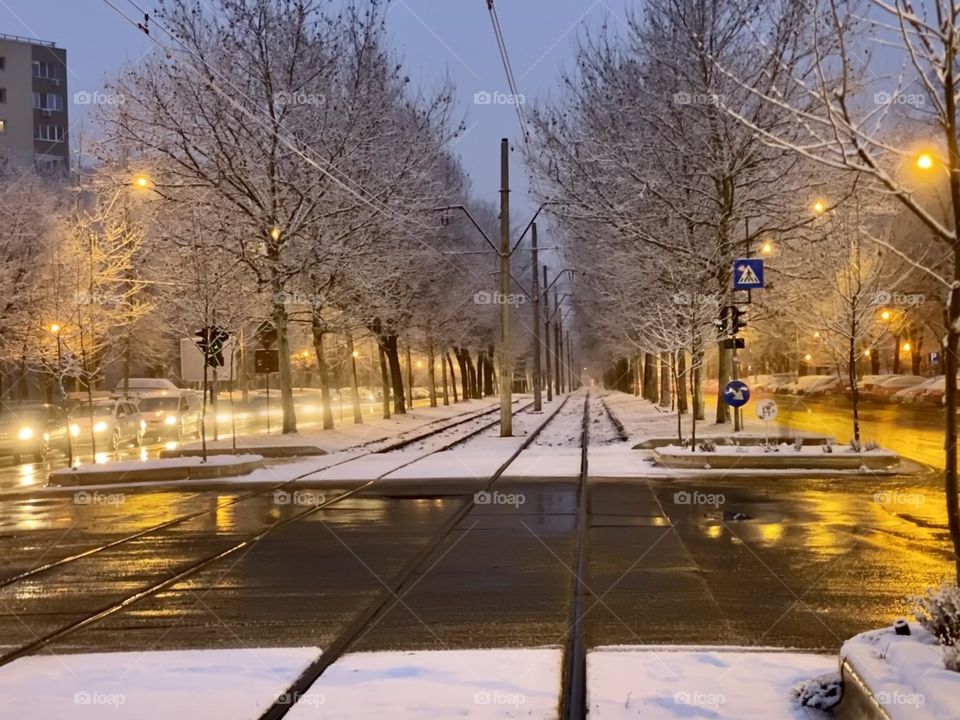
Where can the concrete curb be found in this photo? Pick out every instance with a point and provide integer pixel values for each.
(858, 701)
(68, 477)
(776, 461)
(267, 451)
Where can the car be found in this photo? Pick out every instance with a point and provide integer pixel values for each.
(912, 393)
(831, 386)
(801, 384)
(32, 430)
(170, 415)
(115, 422)
(137, 386)
(885, 389)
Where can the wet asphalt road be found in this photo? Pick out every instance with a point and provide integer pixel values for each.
(801, 563)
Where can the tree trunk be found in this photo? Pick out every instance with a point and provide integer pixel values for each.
(354, 385)
(384, 381)
(665, 397)
(724, 363)
(488, 373)
(453, 377)
(896, 354)
(324, 371)
(392, 351)
(432, 377)
(279, 317)
(443, 368)
(651, 392)
(854, 391)
(409, 379)
(464, 373)
(681, 382)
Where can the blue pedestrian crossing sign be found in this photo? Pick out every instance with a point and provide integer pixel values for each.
(747, 273)
(736, 393)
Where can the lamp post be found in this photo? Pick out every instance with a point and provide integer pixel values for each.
(55, 331)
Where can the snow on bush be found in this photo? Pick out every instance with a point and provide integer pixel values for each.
(821, 693)
(939, 612)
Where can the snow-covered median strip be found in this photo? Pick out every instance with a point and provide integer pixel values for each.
(208, 684)
(183, 468)
(904, 674)
(669, 683)
(425, 685)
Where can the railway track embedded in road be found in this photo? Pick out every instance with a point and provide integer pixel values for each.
(574, 655)
(42, 641)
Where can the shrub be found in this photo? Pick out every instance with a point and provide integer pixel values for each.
(939, 612)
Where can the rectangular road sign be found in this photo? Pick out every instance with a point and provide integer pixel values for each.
(748, 273)
(191, 362)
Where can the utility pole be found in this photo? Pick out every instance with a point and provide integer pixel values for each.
(506, 368)
(570, 365)
(557, 377)
(537, 395)
(546, 335)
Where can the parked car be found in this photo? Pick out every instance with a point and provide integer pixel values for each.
(778, 381)
(32, 430)
(885, 389)
(831, 386)
(170, 415)
(801, 384)
(910, 394)
(115, 422)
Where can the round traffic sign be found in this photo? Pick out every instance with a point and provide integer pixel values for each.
(767, 410)
(736, 393)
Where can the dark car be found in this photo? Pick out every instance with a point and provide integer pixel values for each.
(32, 430)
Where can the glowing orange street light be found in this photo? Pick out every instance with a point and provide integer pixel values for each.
(808, 357)
(766, 248)
(885, 315)
(925, 161)
(275, 233)
(819, 207)
(54, 328)
(906, 347)
(142, 182)
(866, 353)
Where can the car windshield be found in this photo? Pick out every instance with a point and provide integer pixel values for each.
(85, 411)
(29, 416)
(159, 403)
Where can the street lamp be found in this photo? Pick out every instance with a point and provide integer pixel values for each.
(766, 248)
(885, 315)
(906, 347)
(808, 357)
(819, 207)
(141, 181)
(924, 161)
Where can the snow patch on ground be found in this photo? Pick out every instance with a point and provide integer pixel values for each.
(425, 685)
(208, 684)
(670, 683)
(905, 673)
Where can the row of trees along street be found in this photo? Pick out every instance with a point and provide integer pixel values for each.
(270, 161)
(822, 135)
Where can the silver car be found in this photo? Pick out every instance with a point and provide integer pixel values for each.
(113, 423)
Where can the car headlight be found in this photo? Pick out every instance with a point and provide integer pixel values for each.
(170, 420)
(74, 430)
(143, 425)
(101, 426)
(25, 433)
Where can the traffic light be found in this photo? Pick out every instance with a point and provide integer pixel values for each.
(211, 341)
(738, 321)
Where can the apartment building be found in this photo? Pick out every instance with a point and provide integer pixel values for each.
(34, 118)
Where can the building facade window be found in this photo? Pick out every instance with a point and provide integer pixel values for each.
(48, 101)
(50, 133)
(48, 70)
(3, 127)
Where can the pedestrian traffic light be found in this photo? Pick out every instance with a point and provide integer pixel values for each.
(211, 341)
